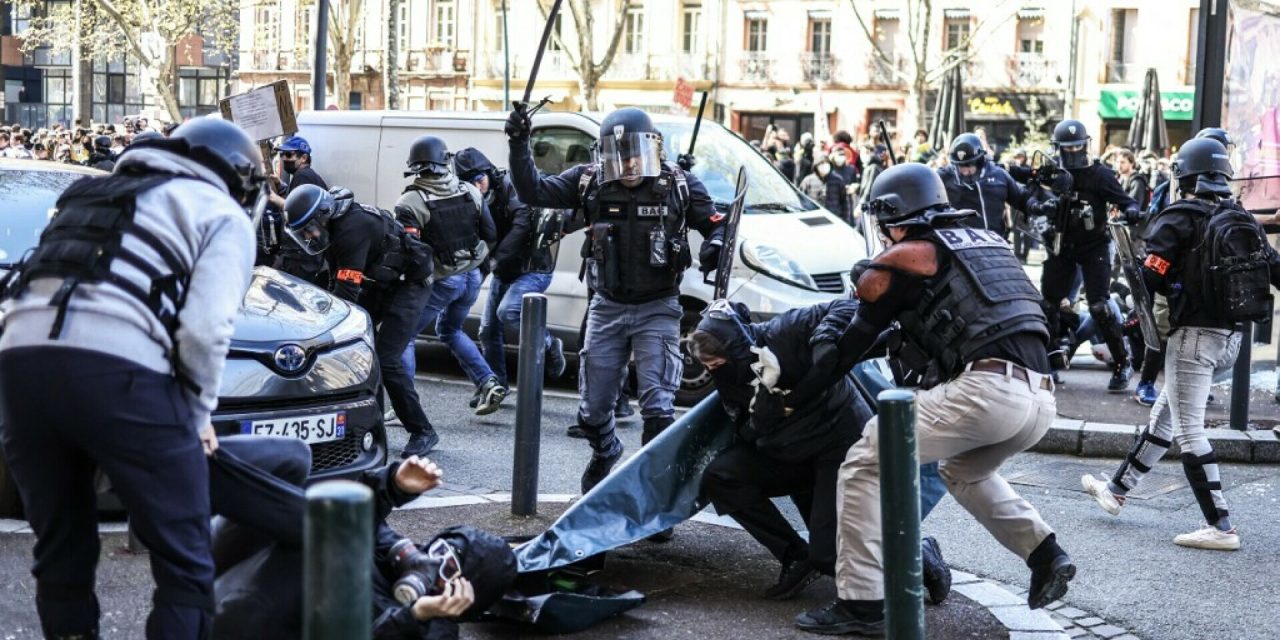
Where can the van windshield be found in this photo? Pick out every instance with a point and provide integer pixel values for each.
(719, 155)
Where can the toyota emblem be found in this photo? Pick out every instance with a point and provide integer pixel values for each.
(290, 358)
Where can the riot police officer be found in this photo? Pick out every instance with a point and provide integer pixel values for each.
(636, 208)
(971, 330)
(383, 269)
(518, 267)
(1186, 246)
(451, 216)
(116, 330)
(976, 183)
(1075, 204)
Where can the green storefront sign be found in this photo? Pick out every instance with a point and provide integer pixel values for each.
(1122, 104)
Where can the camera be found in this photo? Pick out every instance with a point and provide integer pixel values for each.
(423, 574)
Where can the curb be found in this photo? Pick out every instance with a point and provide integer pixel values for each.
(1103, 440)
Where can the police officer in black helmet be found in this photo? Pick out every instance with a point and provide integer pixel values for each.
(975, 183)
(451, 216)
(637, 207)
(127, 306)
(1076, 201)
(971, 331)
(375, 264)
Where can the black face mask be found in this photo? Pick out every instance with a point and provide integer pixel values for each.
(290, 166)
(733, 381)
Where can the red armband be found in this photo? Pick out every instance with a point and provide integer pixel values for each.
(1157, 264)
(717, 217)
(350, 275)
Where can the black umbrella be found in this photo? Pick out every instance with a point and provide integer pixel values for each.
(1147, 132)
(955, 117)
(935, 124)
(948, 111)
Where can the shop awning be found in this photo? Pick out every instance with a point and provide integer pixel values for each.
(821, 14)
(955, 14)
(756, 14)
(1005, 105)
(886, 14)
(1031, 13)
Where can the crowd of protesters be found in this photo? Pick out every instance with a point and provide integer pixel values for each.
(96, 145)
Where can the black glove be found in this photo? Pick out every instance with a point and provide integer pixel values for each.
(686, 161)
(519, 124)
(709, 257)
(767, 410)
(1132, 216)
(1046, 207)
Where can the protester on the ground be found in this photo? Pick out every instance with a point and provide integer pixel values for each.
(635, 259)
(111, 356)
(796, 453)
(985, 391)
(1183, 245)
(518, 267)
(452, 217)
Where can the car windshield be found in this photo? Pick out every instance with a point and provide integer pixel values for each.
(26, 196)
(719, 154)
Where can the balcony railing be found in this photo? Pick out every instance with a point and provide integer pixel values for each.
(1030, 70)
(886, 72)
(555, 66)
(756, 68)
(628, 66)
(1124, 72)
(818, 67)
(434, 60)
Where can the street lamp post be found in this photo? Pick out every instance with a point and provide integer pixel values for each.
(318, 66)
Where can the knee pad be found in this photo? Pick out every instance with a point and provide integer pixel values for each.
(1196, 468)
(1108, 324)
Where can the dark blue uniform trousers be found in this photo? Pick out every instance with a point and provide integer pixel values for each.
(65, 413)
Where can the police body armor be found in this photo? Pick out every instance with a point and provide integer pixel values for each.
(637, 247)
(454, 228)
(85, 239)
(400, 257)
(983, 297)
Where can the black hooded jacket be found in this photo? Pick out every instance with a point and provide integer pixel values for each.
(833, 419)
(513, 219)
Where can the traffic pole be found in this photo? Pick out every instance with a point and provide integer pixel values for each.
(900, 516)
(320, 59)
(1240, 381)
(337, 548)
(533, 356)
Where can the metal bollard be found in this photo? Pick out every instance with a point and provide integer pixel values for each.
(337, 548)
(533, 356)
(900, 512)
(1240, 375)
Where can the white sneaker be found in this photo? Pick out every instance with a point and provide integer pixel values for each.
(1097, 487)
(390, 417)
(1210, 537)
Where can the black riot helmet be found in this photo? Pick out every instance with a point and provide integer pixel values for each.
(307, 211)
(342, 200)
(907, 194)
(223, 148)
(1216, 133)
(967, 149)
(102, 143)
(1203, 167)
(1071, 142)
(430, 155)
(629, 146)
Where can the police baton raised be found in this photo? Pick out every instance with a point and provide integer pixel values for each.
(697, 123)
(542, 48)
(888, 144)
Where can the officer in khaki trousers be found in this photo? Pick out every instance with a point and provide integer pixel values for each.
(972, 336)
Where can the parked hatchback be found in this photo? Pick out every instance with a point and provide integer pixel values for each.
(301, 362)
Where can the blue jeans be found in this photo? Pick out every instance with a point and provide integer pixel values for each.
(932, 488)
(451, 299)
(503, 310)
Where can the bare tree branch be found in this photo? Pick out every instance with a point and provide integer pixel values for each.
(618, 28)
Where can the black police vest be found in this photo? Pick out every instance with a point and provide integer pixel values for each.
(84, 241)
(637, 249)
(398, 256)
(454, 228)
(983, 296)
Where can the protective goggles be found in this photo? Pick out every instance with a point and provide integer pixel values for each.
(722, 309)
(450, 565)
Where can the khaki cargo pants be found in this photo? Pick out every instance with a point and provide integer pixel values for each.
(970, 425)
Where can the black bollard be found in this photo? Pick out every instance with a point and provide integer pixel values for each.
(900, 513)
(337, 547)
(1240, 380)
(533, 356)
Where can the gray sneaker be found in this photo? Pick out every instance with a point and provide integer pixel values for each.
(490, 396)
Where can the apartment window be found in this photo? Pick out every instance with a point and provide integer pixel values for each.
(1031, 35)
(633, 38)
(1123, 22)
(820, 36)
(444, 23)
(497, 26)
(266, 32)
(402, 28)
(303, 31)
(691, 29)
(957, 33)
(757, 30)
(1193, 33)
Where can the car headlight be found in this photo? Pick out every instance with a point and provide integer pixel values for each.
(355, 326)
(777, 265)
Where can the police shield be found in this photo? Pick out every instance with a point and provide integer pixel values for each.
(1133, 275)
(544, 243)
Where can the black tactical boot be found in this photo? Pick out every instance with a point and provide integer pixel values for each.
(606, 451)
(1051, 570)
(842, 617)
(1120, 375)
(937, 575)
(653, 427)
(796, 574)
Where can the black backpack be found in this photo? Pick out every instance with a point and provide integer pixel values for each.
(1235, 264)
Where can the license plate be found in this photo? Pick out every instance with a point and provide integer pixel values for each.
(311, 429)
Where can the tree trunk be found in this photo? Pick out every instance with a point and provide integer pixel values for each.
(162, 82)
(342, 76)
(392, 61)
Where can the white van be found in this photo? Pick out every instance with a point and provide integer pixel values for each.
(793, 253)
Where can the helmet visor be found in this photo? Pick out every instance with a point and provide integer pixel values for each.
(312, 236)
(629, 156)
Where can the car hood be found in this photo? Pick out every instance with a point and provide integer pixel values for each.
(279, 307)
(817, 240)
